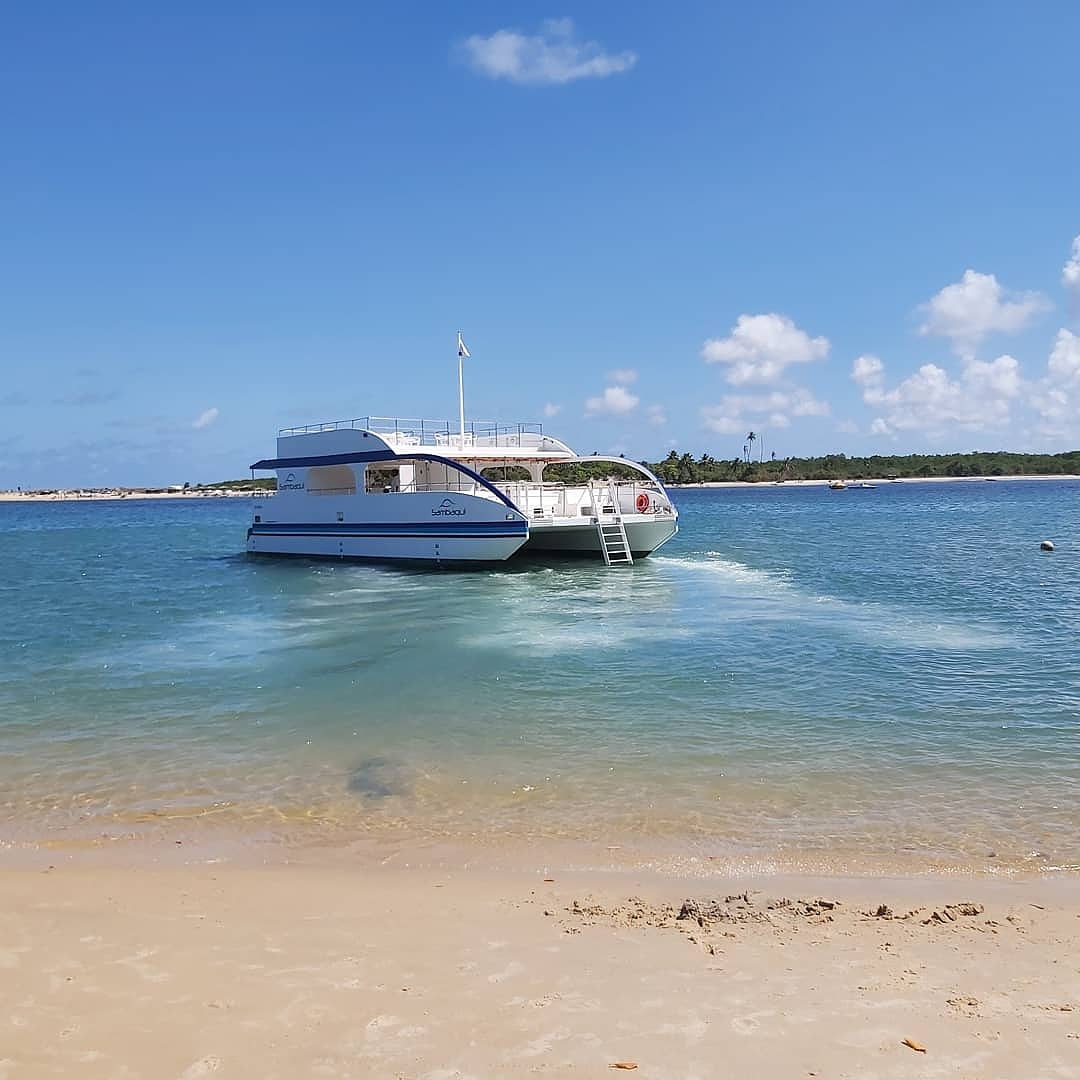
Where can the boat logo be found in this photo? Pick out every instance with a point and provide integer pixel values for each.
(290, 483)
(448, 508)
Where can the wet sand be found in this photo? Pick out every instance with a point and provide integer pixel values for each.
(445, 972)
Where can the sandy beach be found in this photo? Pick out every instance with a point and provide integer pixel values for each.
(444, 971)
(80, 495)
(875, 481)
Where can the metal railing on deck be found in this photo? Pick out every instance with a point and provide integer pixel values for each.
(404, 432)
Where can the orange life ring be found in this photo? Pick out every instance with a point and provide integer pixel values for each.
(642, 503)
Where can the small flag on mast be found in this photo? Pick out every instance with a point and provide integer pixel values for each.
(461, 350)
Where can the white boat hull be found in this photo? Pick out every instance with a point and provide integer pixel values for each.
(430, 527)
(645, 534)
(344, 545)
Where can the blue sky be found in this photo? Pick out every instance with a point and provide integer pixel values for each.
(849, 227)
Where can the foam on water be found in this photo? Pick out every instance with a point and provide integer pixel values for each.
(892, 624)
(716, 563)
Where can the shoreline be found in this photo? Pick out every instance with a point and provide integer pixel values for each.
(82, 495)
(162, 839)
(875, 481)
(296, 969)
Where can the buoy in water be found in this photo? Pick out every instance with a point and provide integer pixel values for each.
(1047, 545)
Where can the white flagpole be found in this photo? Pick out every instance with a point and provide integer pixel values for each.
(461, 390)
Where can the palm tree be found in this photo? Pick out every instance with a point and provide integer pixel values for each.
(751, 438)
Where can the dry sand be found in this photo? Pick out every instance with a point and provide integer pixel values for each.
(80, 495)
(348, 971)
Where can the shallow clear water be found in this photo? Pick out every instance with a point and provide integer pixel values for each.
(886, 677)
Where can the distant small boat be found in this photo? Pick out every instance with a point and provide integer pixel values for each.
(837, 485)
(867, 487)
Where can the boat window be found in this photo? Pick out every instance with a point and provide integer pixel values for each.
(581, 472)
(404, 475)
(516, 473)
(331, 480)
(379, 480)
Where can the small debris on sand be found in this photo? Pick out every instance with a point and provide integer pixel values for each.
(914, 1045)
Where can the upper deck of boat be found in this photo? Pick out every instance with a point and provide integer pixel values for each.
(482, 440)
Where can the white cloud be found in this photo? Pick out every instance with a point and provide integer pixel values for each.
(1070, 273)
(550, 58)
(933, 402)
(623, 376)
(760, 347)
(614, 401)
(205, 418)
(975, 306)
(656, 415)
(551, 410)
(1064, 363)
(1056, 397)
(847, 427)
(1000, 377)
(868, 370)
(736, 411)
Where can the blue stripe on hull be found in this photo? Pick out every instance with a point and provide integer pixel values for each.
(434, 530)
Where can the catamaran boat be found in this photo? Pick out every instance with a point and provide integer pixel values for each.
(416, 490)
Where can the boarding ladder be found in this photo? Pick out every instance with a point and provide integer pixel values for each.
(614, 543)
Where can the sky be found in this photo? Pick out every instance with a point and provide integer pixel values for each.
(852, 228)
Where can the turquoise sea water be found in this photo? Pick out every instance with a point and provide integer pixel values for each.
(801, 678)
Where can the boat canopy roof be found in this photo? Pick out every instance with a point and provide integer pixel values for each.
(482, 440)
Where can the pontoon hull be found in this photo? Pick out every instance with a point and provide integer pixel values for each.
(645, 536)
(356, 545)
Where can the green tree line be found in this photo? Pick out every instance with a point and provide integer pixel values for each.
(679, 468)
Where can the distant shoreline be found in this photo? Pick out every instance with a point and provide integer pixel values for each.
(83, 495)
(871, 481)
